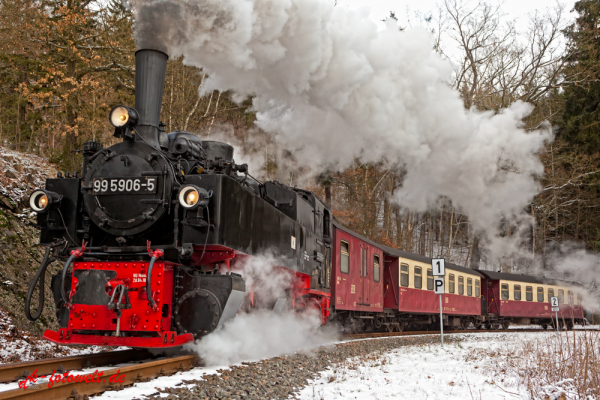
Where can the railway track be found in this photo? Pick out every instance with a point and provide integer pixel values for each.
(95, 383)
(142, 372)
(370, 335)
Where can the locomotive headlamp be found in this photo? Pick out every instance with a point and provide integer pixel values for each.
(124, 119)
(122, 116)
(192, 197)
(41, 200)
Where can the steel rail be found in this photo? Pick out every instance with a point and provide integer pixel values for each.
(100, 383)
(369, 335)
(15, 371)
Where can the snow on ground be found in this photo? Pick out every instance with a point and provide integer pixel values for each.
(468, 369)
(141, 390)
(17, 345)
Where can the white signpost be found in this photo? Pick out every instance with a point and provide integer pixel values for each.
(555, 308)
(439, 270)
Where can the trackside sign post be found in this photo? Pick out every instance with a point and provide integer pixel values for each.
(439, 270)
(554, 304)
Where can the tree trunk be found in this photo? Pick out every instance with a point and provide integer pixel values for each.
(475, 252)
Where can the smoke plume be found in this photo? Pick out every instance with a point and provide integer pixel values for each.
(571, 262)
(331, 88)
(263, 333)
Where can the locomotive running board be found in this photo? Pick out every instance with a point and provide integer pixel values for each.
(168, 339)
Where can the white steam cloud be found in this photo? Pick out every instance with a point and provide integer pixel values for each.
(330, 87)
(573, 263)
(263, 333)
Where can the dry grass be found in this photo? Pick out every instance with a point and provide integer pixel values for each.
(559, 367)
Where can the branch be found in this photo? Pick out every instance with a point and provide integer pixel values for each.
(110, 67)
(569, 182)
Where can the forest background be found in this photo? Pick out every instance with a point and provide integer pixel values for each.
(65, 64)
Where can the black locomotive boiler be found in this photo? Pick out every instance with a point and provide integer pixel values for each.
(151, 231)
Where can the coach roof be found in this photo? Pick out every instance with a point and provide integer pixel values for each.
(511, 277)
(426, 260)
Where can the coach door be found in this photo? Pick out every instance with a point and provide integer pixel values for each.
(365, 275)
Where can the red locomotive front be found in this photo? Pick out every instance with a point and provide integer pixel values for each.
(109, 298)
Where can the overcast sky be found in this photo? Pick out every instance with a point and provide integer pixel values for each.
(515, 9)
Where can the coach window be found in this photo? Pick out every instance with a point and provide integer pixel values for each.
(570, 297)
(517, 292)
(429, 279)
(561, 296)
(418, 278)
(504, 291)
(529, 293)
(461, 285)
(451, 283)
(469, 287)
(540, 294)
(579, 299)
(477, 288)
(344, 257)
(404, 275)
(376, 268)
(550, 294)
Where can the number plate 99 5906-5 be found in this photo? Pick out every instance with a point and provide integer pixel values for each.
(126, 185)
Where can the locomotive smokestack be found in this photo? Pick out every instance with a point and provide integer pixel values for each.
(150, 70)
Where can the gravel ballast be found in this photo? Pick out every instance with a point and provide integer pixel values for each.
(283, 377)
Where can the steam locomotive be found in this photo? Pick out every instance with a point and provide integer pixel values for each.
(154, 231)
(151, 231)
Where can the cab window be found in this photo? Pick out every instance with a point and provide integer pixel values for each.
(451, 283)
(561, 296)
(376, 268)
(344, 257)
(404, 275)
(418, 278)
(540, 294)
(461, 285)
(550, 294)
(517, 289)
(477, 288)
(529, 293)
(469, 287)
(504, 294)
(429, 279)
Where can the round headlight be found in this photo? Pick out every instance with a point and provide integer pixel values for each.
(189, 196)
(192, 197)
(122, 116)
(41, 200)
(119, 116)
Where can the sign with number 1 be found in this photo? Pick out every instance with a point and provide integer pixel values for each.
(438, 267)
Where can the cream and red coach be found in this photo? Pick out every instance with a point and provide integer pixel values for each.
(408, 285)
(524, 300)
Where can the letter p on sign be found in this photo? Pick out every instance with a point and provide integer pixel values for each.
(438, 285)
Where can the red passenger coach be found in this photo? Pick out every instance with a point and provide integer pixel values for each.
(524, 300)
(408, 285)
(357, 267)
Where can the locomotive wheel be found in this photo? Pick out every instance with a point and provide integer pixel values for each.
(399, 328)
(378, 324)
(389, 327)
(464, 325)
(505, 324)
(544, 327)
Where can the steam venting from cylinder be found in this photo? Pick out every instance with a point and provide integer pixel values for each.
(150, 67)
